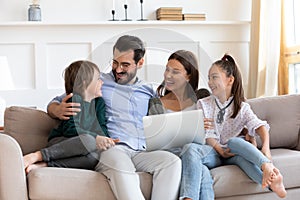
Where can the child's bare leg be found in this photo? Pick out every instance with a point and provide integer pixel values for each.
(35, 166)
(268, 174)
(277, 184)
(32, 158)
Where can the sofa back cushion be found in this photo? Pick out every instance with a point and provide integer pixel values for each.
(30, 127)
(283, 115)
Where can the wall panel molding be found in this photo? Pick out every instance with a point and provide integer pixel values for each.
(41, 51)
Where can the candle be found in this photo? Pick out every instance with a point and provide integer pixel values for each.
(125, 2)
(113, 5)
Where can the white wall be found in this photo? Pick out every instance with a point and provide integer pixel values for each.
(100, 10)
(38, 52)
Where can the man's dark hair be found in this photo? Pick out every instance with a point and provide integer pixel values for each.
(128, 42)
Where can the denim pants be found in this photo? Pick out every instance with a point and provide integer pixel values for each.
(75, 152)
(196, 180)
(247, 157)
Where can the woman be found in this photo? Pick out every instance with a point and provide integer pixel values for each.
(177, 93)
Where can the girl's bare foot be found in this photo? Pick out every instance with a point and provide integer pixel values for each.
(268, 174)
(35, 166)
(32, 158)
(277, 184)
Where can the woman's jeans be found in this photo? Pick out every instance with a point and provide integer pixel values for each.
(75, 152)
(196, 181)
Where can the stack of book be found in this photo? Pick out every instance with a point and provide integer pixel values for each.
(169, 13)
(195, 16)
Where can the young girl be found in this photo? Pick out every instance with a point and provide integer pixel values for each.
(74, 143)
(226, 115)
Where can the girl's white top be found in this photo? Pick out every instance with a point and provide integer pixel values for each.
(230, 127)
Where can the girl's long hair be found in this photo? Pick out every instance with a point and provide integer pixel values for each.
(228, 65)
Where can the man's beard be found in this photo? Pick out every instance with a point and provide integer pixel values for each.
(126, 77)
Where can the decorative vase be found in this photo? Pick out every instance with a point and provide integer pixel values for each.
(34, 12)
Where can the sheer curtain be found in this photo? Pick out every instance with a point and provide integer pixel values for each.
(265, 48)
(283, 76)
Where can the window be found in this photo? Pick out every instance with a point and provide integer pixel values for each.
(292, 52)
(294, 78)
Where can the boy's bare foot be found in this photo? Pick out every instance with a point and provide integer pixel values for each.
(277, 184)
(32, 158)
(35, 166)
(268, 174)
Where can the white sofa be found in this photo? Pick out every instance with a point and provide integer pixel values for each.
(26, 130)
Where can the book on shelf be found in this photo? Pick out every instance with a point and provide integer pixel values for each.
(194, 14)
(171, 19)
(194, 19)
(169, 10)
(188, 16)
(169, 13)
(168, 16)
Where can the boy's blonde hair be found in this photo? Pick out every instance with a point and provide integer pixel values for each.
(78, 75)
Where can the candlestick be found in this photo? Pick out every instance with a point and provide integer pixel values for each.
(142, 19)
(126, 19)
(113, 16)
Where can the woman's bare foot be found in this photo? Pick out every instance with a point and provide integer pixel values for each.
(277, 184)
(268, 174)
(35, 166)
(32, 158)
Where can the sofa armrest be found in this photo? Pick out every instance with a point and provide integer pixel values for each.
(29, 127)
(12, 174)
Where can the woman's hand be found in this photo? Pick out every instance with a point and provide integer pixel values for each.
(104, 143)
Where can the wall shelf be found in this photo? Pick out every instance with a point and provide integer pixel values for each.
(111, 23)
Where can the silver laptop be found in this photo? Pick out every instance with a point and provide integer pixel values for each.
(166, 131)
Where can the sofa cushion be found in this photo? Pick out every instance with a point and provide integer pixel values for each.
(283, 115)
(75, 184)
(288, 162)
(230, 180)
(30, 127)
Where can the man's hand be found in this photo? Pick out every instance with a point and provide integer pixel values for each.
(64, 110)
